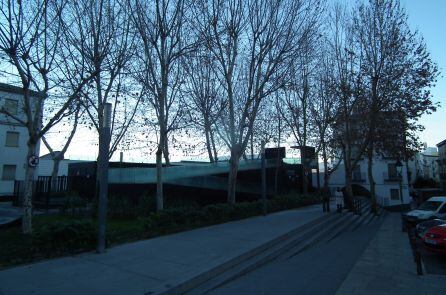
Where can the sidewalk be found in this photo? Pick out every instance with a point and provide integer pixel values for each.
(9, 214)
(387, 266)
(153, 266)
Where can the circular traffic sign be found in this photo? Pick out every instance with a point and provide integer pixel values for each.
(33, 160)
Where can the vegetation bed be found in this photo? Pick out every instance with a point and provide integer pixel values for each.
(61, 235)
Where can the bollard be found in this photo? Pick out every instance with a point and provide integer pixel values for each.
(416, 253)
(418, 262)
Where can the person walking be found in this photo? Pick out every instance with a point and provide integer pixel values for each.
(325, 199)
(339, 200)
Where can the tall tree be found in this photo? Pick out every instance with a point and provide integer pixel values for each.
(253, 43)
(392, 53)
(163, 35)
(58, 155)
(109, 47)
(202, 95)
(323, 110)
(348, 84)
(298, 94)
(31, 42)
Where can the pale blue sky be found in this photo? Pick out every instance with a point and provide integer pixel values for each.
(429, 18)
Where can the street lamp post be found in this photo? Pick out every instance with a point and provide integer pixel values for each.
(104, 134)
(264, 201)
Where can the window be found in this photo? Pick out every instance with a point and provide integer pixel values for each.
(391, 170)
(443, 209)
(357, 173)
(430, 206)
(12, 139)
(394, 194)
(11, 106)
(8, 172)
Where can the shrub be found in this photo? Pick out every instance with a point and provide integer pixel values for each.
(173, 218)
(129, 206)
(73, 204)
(146, 205)
(65, 236)
(119, 207)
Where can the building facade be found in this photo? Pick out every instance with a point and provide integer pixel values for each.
(13, 138)
(425, 165)
(391, 188)
(442, 164)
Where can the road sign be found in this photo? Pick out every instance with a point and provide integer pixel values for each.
(33, 161)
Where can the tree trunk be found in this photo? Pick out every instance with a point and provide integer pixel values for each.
(348, 189)
(55, 172)
(276, 172)
(326, 173)
(373, 207)
(251, 142)
(27, 205)
(208, 146)
(166, 151)
(214, 149)
(232, 177)
(159, 178)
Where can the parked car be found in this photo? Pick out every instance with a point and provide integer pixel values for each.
(435, 239)
(433, 208)
(422, 227)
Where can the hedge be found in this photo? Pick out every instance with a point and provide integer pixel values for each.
(169, 219)
(64, 235)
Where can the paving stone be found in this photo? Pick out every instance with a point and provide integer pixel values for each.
(387, 267)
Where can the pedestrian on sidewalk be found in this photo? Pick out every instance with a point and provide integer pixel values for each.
(339, 200)
(325, 194)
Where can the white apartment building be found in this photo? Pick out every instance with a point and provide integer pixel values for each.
(387, 180)
(425, 165)
(13, 139)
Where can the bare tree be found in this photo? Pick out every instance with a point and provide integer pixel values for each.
(30, 41)
(253, 42)
(297, 96)
(162, 31)
(109, 48)
(348, 84)
(323, 110)
(203, 97)
(58, 156)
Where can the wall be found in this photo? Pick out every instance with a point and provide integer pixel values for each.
(442, 164)
(46, 167)
(12, 155)
(382, 186)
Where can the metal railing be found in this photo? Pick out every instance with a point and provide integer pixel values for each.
(391, 177)
(46, 189)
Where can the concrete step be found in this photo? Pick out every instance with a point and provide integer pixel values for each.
(323, 231)
(354, 221)
(327, 234)
(365, 217)
(216, 271)
(304, 239)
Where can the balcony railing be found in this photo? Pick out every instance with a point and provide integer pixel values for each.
(391, 177)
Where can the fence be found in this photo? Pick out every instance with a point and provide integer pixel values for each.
(49, 192)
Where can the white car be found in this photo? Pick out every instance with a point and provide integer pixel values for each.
(433, 208)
